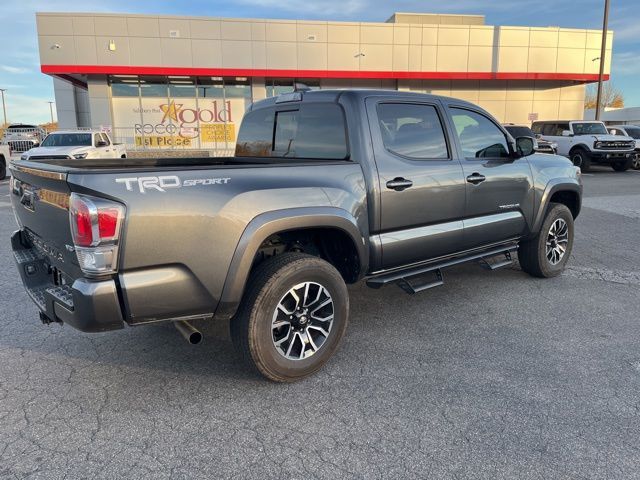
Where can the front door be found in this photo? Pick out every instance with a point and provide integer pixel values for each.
(422, 189)
(499, 186)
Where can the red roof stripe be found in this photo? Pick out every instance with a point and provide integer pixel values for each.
(258, 72)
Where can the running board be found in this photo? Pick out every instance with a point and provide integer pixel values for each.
(409, 278)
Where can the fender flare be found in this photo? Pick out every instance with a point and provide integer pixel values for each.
(579, 145)
(566, 184)
(269, 223)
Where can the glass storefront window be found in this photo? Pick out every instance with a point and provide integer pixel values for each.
(153, 87)
(182, 87)
(124, 87)
(210, 87)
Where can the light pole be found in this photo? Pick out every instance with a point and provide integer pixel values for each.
(603, 51)
(51, 109)
(4, 108)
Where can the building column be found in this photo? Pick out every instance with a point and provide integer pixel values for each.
(99, 102)
(65, 104)
(258, 89)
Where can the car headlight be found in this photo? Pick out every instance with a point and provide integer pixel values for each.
(554, 145)
(80, 156)
(24, 156)
(597, 145)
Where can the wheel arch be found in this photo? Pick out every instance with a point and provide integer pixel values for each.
(565, 191)
(266, 225)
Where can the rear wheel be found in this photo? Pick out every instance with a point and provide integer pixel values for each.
(3, 168)
(292, 317)
(580, 158)
(622, 166)
(546, 254)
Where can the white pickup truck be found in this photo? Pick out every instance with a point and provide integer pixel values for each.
(76, 145)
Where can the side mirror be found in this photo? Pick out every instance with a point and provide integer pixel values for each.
(567, 133)
(101, 143)
(525, 146)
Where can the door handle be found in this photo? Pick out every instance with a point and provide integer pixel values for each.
(399, 184)
(476, 178)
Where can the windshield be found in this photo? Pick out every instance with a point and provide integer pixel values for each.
(517, 131)
(67, 140)
(633, 132)
(590, 128)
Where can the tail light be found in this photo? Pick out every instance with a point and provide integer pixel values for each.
(95, 226)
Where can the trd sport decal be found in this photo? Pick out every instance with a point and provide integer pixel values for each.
(162, 183)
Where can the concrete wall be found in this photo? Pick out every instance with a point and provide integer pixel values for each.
(144, 40)
(72, 105)
(511, 101)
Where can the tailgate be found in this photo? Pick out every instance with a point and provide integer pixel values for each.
(40, 198)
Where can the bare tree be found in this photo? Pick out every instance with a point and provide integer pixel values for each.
(611, 96)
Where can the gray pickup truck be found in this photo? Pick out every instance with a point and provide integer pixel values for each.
(327, 188)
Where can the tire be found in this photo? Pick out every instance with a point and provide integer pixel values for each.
(533, 254)
(3, 169)
(622, 166)
(635, 162)
(268, 296)
(580, 158)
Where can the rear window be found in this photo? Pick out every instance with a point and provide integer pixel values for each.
(313, 131)
(633, 132)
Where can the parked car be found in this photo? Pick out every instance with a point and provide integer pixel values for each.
(326, 188)
(540, 144)
(5, 158)
(588, 142)
(76, 145)
(632, 131)
(22, 137)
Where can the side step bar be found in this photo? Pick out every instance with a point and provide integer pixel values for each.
(408, 278)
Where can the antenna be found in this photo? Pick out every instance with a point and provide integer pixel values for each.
(300, 87)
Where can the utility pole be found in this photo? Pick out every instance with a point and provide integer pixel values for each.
(51, 109)
(4, 108)
(603, 51)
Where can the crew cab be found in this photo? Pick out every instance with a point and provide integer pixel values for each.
(588, 142)
(76, 145)
(327, 188)
(632, 131)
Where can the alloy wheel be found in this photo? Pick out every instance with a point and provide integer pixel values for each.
(557, 241)
(302, 321)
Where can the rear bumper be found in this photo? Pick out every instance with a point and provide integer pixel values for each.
(89, 306)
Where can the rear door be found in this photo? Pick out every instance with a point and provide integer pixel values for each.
(499, 190)
(422, 189)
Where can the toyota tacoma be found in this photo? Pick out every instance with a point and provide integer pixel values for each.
(327, 188)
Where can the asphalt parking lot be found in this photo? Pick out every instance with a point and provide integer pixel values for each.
(494, 375)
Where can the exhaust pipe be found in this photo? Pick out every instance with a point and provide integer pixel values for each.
(189, 332)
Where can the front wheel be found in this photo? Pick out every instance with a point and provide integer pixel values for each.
(3, 169)
(635, 163)
(580, 158)
(292, 317)
(546, 254)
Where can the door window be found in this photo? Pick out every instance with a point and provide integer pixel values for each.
(412, 130)
(96, 139)
(105, 139)
(479, 136)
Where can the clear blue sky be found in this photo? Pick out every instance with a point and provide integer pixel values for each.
(29, 90)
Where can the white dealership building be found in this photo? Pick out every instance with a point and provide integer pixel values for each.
(159, 81)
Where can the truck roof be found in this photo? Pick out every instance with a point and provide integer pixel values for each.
(332, 95)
